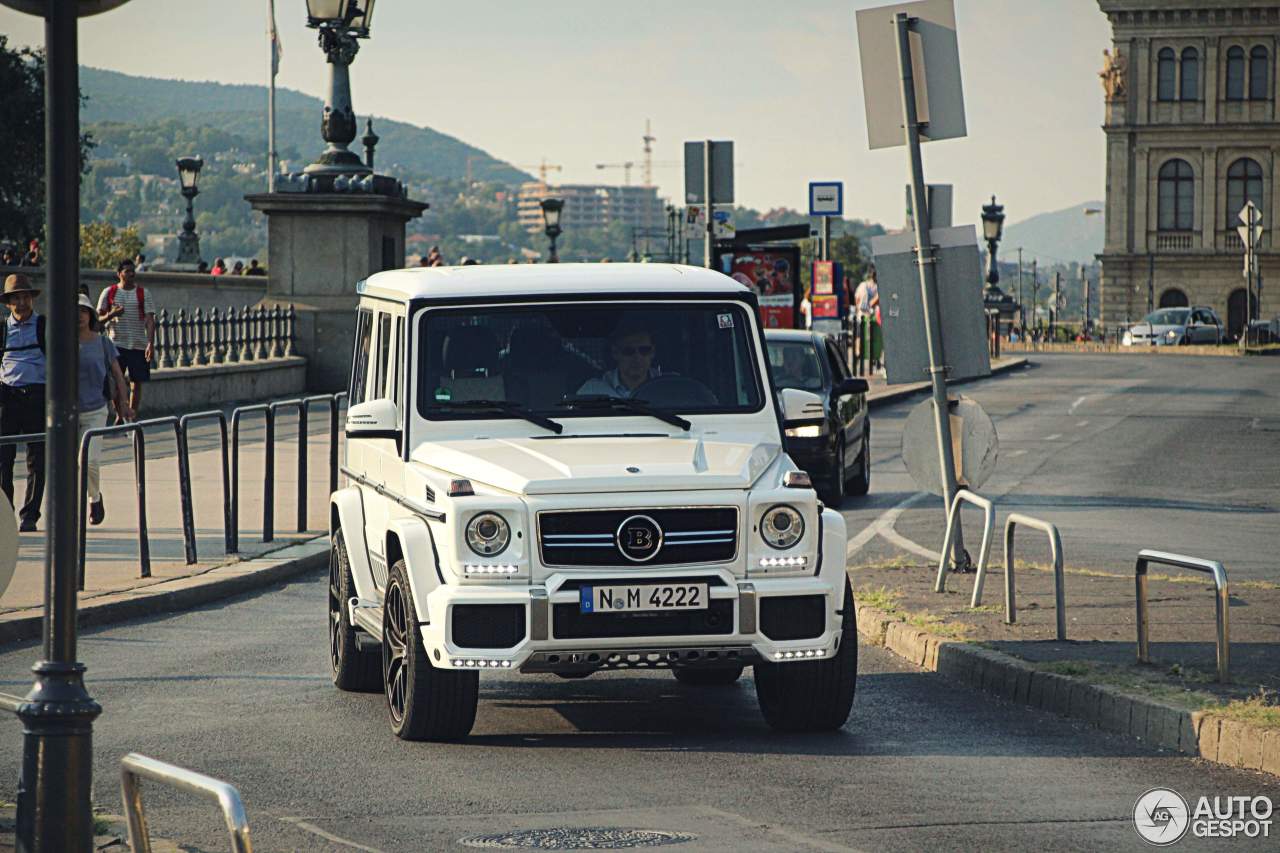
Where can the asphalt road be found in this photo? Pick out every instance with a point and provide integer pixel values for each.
(240, 691)
(1122, 453)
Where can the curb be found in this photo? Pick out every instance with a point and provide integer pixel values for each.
(1214, 738)
(180, 593)
(888, 396)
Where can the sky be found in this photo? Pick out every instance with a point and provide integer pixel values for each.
(572, 81)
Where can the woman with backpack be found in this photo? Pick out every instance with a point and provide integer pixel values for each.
(101, 383)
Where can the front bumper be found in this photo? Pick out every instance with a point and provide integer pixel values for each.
(782, 619)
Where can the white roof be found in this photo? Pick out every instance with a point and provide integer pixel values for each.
(515, 280)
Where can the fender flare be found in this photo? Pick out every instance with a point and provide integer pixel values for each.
(835, 541)
(421, 559)
(347, 512)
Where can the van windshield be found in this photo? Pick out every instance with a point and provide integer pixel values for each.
(562, 360)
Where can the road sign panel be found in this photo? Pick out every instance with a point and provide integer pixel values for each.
(721, 173)
(1244, 213)
(935, 55)
(826, 198)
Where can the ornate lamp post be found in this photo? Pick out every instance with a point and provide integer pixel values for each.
(551, 208)
(188, 243)
(996, 302)
(340, 23)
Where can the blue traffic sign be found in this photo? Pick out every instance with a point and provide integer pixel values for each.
(826, 198)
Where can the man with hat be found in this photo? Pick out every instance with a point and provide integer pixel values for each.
(22, 378)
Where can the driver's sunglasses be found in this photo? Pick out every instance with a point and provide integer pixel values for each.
(632, 352)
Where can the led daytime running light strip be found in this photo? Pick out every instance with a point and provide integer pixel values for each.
(779, 562)
(480, 663)
(800, 653)
(496, 569)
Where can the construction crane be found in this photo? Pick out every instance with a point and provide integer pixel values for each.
(543, 168)
(626, 167)
(649, 139)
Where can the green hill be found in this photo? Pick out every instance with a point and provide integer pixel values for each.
(241, 110)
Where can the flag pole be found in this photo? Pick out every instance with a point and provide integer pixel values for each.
(274, 44)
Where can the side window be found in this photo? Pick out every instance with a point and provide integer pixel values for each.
(360, 357)
(839, 370)
(396, 390)
(384, 354)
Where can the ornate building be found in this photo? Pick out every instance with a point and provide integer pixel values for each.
(1192, 133)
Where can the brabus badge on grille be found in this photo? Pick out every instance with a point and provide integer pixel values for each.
(639, 538)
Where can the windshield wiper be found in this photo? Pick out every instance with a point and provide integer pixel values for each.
(507, 408)
(625, 404)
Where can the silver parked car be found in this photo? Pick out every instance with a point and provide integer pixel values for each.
(1167, 326)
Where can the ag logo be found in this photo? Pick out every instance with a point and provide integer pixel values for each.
(1161, 817)
(639, 538)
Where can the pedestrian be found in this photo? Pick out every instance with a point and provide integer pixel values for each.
(22, 379)
(129, 314)
(254, 268)
(32, 258)
(238, 268)
(101, 384)
(9, 258)
(202, 267)
(139, 262)
(219, 267)
(866, 305)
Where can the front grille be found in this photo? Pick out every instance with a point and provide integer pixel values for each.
(487, 626)
(589, 537)
(570, 623)
(793, 617)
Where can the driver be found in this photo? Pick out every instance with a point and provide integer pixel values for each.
(633, 352)
(794, 367)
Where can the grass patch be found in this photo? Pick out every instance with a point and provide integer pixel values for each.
(1259, 710)
(882, 598)
(898, 562)
(934, 624)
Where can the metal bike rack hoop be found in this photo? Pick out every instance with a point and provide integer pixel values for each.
(134, 767)
(1055, 549)
(988, 523)
(1221, 602)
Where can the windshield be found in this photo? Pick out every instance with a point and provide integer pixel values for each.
(1169, 317)
(795, 364)
(571, 360)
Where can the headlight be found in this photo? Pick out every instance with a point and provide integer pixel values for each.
(781, 527)
(1171, 335)
(810, 431)
(488, 534)
(1127, 340)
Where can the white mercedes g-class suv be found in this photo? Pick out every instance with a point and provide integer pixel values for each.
(571, 468)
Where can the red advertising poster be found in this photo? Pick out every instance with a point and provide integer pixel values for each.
(826, 306)
(824, 274)
(772, 274)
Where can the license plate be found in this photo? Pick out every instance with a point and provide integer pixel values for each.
(634, 598)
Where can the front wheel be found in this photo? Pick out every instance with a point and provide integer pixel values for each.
(424, 703)
(350, 667)
(860, 482)
(814, 696)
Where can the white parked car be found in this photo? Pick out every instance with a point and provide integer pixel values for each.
(573, 468)
(1170, 326)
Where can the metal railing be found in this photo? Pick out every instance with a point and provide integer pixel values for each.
(184, 473)
(1055, 549)
(136, 429)
(988, 524)
(1221, 602)
(249, 334)
(135, 767)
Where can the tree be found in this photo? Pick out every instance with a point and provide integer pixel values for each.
(102, 246)
(22, 141)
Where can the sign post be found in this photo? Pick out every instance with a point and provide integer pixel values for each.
(826, 199)
(708, 180)
(930, 70)
(1250, 233)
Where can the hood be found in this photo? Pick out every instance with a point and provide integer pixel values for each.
(585, 464)
(1145, 329)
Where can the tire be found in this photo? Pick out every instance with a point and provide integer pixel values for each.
(708, 676)
(832, 494)
(860, 482)
(423, 703)
(350, 667)
(815, 696)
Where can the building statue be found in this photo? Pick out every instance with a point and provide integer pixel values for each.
(1113, 75)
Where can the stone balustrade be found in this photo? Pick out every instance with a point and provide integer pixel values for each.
(196, 338)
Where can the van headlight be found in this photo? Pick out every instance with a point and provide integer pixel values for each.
(807, 431)
(782, 526)
(488, 534)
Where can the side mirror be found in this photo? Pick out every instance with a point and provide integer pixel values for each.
(801, 408)
(373, 419)
(852, 386)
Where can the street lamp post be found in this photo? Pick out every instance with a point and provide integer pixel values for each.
(994, 300)
(55, 786)
(188, 242)
(551, 208)
(340, 23)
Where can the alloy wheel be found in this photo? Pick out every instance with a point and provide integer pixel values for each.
(395, 651)
(335, 610)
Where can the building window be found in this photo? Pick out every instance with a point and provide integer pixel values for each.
(1175, 205)
(1190, 71)
(1173, 298)
(1258, 74)
(1235, 74)
(1166, 75)
(1244, 184)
